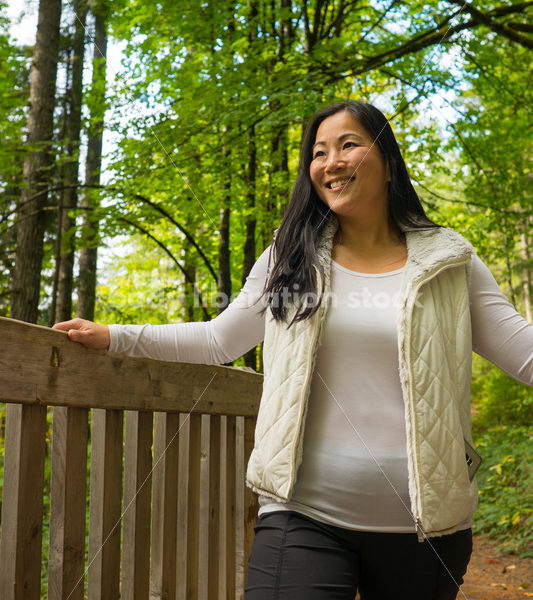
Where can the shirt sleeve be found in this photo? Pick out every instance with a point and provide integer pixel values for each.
(499, 333)
(228, 336)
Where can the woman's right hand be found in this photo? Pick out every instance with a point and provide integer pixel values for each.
(90, 334)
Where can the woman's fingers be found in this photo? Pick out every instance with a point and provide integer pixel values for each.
(91, 335)
(76, 323)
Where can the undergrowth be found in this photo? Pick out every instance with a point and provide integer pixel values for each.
(502, 419)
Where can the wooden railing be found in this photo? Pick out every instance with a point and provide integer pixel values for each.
(156, 450)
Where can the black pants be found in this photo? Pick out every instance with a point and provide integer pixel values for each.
(297, 558)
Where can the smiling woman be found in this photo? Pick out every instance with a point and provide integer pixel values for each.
(348, 171)
(351, 177)
(369, 313)
(351, 167)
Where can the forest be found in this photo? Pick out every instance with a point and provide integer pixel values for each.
(149, 149)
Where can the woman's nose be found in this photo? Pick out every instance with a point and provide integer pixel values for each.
(334, 161)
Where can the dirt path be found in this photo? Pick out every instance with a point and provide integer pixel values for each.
(495, 576)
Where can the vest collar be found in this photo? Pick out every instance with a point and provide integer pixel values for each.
(427, 250)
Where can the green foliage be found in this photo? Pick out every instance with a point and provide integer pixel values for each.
(491, 140)
(14, 87)
(505, 480)
(502, 416)
(140, 287)
(500, 400)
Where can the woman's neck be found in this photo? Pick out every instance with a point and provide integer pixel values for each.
(371, 249)
(367, 238)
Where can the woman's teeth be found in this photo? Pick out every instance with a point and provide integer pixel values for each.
(340, 183)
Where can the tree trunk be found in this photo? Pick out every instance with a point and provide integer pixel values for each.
(278, 196)
(67, 222)
(285, 29)
(8, 242)
(250, 223)
(189, 299)
(224, 253)
(250, 358)
(37, 167)
(61, 202)
(526, 257)
(509, 273)
(89, 250)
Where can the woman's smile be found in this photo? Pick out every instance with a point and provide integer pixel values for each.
(339, 184)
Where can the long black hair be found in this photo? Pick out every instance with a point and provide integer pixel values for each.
(295, 261)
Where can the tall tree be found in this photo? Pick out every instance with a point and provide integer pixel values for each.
(89, 233)
(66, 59)
(70, 169)
(224, 247)
(527, 267)
(37, 166)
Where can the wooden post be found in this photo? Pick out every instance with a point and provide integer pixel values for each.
(105, 505)
(240, 474)
(68, 504)
(231, 465)
(22, 505)
(214, 509)
(164, 506)
(193, 505)
(251, 505)
(137, 509)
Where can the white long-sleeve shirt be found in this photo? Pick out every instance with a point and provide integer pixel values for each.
(354, 468)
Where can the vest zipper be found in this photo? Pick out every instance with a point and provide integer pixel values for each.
(419, 531)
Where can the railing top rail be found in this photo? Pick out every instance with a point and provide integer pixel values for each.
(39, 365)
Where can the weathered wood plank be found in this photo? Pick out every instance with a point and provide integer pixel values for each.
(213, 564)
(41, 366)
(165, 506)
(183, 484)
(240, 470)
(137, 509)
(22, 504)
(193, 505)
(231, 466)
(251, 505)
(67, 504)
(105, 505)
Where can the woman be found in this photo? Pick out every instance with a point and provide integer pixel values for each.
(369, 312)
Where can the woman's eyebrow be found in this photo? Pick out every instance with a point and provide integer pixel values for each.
(341, 139)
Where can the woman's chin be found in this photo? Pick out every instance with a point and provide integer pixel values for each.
(342, 209)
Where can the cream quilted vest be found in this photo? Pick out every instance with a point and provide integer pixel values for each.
(435, 350)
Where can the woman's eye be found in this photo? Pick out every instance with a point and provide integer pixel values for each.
(318, 154)
(349, 145)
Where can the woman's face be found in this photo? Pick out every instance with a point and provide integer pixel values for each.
(347, 169)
